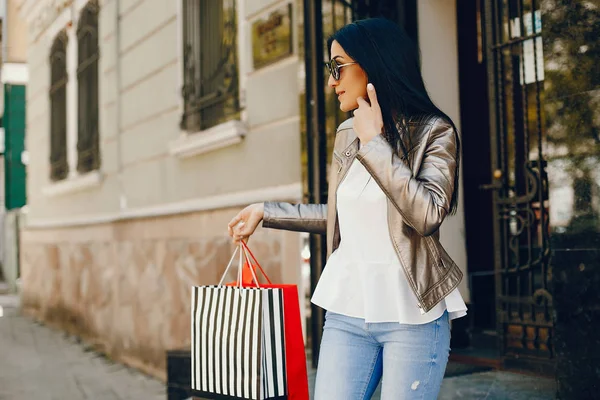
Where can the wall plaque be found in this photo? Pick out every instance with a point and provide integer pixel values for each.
(272, 37)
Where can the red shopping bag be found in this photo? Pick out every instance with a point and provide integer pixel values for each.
(295, 355)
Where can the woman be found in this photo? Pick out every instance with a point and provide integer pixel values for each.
(389, 287)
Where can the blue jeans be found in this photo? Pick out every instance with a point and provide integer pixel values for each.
(354, 356)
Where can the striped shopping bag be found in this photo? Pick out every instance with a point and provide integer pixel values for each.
(247, 341)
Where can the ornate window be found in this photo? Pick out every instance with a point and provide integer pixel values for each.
(210, 64)
(88, 143)
(59, 167)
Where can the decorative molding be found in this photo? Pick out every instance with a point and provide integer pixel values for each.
(44, 15)
(292, 192)
(62, 21)
(223, 135)
(28, 9)
(74, 184)
(47, 17)
(14, 73)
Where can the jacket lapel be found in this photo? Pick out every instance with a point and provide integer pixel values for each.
(347, 153)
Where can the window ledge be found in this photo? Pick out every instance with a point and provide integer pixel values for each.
(223, 135)
(74, 184)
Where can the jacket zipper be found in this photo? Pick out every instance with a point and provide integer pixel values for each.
(436, 253)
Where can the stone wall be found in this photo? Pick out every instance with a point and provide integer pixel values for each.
(125, 286)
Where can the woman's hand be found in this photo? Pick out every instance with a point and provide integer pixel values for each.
(244, 224)
(368, 121)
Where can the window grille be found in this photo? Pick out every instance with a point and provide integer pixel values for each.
(210, 64)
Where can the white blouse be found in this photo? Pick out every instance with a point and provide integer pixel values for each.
(363, 277)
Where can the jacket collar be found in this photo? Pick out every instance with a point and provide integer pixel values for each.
(350, 151)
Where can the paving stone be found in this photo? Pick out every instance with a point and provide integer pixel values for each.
(45, 364)
(40, 363)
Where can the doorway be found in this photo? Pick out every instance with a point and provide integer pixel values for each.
(515, 63)
(505, 183)
(475, 122)
(478, 201)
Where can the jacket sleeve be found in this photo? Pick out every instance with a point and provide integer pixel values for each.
(310, 218)
(424, 200)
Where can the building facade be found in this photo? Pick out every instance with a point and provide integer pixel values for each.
(151, 122)
(136, 166)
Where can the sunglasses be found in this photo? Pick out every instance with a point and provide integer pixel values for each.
(334, 68)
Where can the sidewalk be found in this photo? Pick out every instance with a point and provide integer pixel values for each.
(491, 385)
(497, 385)
(40, 363)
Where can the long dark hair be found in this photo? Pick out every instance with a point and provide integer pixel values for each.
(391, 61)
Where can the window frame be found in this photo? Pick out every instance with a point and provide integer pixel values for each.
(195, 117)
(88, 107)
(58, 99)
(75, 181)
(193, 142)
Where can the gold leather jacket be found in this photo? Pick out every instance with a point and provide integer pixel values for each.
(418, 189)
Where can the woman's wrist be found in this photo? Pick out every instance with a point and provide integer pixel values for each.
(260, 207)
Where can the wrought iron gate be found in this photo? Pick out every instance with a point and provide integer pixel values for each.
(516, 73)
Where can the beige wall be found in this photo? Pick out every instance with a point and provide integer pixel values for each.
(16, 32)
(438, 42)
(140, 111)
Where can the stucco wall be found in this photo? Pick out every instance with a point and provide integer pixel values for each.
(140, 110)
(16, 34)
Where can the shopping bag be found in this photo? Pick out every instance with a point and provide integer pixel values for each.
(297, 379)
(247, 338)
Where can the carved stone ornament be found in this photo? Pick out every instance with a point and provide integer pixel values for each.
(47, 14)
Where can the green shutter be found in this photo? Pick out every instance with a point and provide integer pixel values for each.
(14, 144)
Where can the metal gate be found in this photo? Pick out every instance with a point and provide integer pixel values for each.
(516, 73)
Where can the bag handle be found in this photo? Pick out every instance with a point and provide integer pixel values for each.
(228, 266)
(249, 252)
(244, 251)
